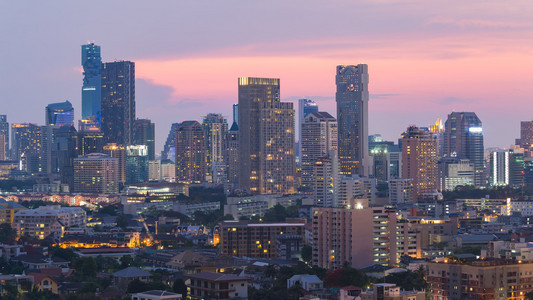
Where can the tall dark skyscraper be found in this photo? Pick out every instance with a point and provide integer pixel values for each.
(266, 138)
(60, 114)
(144, 134)
(27, 145)
(463, 137)
(91, 93)
(191, 164)
(352, 117)
(4, 130)
(118, 101)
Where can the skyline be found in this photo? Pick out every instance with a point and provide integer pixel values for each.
(187, 67)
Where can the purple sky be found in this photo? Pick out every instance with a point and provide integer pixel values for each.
(426, 58)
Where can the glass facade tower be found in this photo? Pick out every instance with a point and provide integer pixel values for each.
(91, 93)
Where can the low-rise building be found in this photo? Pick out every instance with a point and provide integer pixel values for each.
(123, 277)
(46, 220)
(8, 210)
(389, 291)
(480, 279)
(156, 295)
(217, 285)
(307, 282)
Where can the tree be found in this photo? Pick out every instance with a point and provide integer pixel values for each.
(180, 287)
(7, 234)
(122, 222)
(307, 253)
(67, 254)
(125, 261)
(89, 267)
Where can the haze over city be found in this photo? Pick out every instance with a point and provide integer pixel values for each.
(426, 59)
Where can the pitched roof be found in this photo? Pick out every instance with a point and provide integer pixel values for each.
(158, 293)
(131, 272)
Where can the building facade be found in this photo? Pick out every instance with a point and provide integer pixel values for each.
(463, 138)
(144, 134)
(216, 130)
(91, 91)
(96, 173)
(191, 166)
(118, 102)
(352, 117)
(266, 138)
(420, 160)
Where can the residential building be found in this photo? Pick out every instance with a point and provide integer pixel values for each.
(479, 279)
(360, 236)
(326, 181)
(117, 151)
(419, 160)
(8, 210)
(506, 168)
(123, 277)
(307, 282)
(355, 187)
(257, 240)
(400, 190)
(90, 141)
(526, 135)
(352, 116)
(232, 155)
(118, 102)
(96, 173)
(170, 145)
(215, 131)
(91, 91)
(191, 164)
(217, 285)
(318, 138)
(389, 291)
(305, 107)
(266, 138)
(59, 114)
(26, 146)
(463, 138)
(156, 295)
(46, 220)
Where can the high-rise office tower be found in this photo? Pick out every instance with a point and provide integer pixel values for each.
(318, 137)
(118, 151)
(48, 138)
(90, 141)
(91, 91)
(266, 138)
(27, 145)
(463, 138)
(454, 172)
(438, 130)
(4, 130)
(305, 107)
(526, 135)
(215, 130)
(169, 149)
(59, 114)
(419, 160)
(64, 151)
(232, 154)
(380, 151)
(144, 134)
(96, 173)
(352, 116)
(191, 166)
(118, 101)
(136, 164)
(506, 168)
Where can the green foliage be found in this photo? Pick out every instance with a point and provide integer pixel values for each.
(7, 234)
(307, 253)
(408, 280)
(346, 276)
(137, 286)
(180, 287)
(14, 185)
(9, 267)
(279, 213)
(107, 264)
(67, 254)
(110, 210)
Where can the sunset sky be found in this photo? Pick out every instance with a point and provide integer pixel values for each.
(426, 58)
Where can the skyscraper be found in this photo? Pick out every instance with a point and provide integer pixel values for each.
(4, 130)
(144, 134)
(463, 137)
(352, 117)
(2, 147)
(118, 101)
(136, 163)
(266, 138)
(305, 107)
(526, 135)
(191, 164)
(236, 113)
(118, 151)
(96, 173)
(318, 138)
(90, 141)
(215, 130)
(232, 154)
(60, 114)
(419, 160)
(27, 145)
(91, 93)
